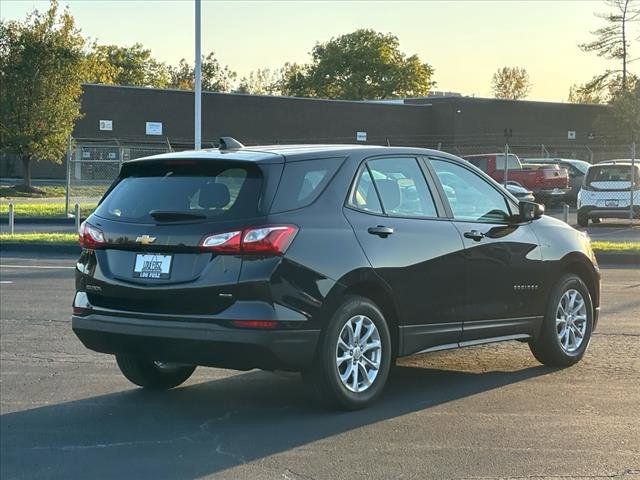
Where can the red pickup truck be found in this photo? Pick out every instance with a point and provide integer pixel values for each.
(547, 182)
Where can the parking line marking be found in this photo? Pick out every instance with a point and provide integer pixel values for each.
(5, 282)
(34, 266)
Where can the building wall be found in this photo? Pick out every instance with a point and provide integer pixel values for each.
(459, 124)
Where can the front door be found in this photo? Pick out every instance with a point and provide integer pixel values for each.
(418, 253)
(503, 259)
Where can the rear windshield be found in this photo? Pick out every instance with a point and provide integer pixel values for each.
(611, 173)
(163, 192)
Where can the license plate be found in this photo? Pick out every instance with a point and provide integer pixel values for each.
(152, 265)
(611, 203)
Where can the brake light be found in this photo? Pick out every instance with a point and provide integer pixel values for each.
(254, 323)
(267, 240)
(90, 236)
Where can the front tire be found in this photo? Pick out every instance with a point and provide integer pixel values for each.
(354, 356)
(152, 374)
(567, 325)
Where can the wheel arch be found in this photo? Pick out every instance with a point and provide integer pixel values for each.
(583, 268)
(374, 289)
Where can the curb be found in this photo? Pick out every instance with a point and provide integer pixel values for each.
(603, 258)
(618, 258)
(11, 247)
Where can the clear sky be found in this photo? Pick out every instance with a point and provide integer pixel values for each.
(465, 41)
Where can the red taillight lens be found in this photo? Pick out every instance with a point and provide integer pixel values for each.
(254, 323)
(267, 240)
(90, 236)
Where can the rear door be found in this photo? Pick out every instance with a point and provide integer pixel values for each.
(417, 252)
(503, 260)
(153, 221)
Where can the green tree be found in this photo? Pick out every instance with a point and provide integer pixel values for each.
(601, 89)
(133, 66)
(613, 40)
(626, 112)
(511, 83)
(42, 63)
(215, 78)
(261, 82)
(364, 64)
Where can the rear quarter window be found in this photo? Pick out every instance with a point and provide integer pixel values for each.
(302, 182)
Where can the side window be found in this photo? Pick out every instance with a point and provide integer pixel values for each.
(302, 182)
(470, 196)
(481, 163)
(364, 196)
(402, 187)
(513, 162)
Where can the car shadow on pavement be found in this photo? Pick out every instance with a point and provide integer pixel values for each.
(209, 427)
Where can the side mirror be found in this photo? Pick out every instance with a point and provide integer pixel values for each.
(530, 211)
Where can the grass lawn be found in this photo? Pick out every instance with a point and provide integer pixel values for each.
(39, 238)
(44, 209)
(54, 191)
(616, 247)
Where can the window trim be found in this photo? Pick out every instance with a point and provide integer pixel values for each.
(474, 170)
(440, 209)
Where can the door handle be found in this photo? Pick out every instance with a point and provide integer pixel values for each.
(381, 231)
(474, 235)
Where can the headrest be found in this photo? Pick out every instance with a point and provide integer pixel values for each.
(214, 195)
(390, 193)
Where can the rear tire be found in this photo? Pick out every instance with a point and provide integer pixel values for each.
(152, 374)
(567, 325)
(583, 220)
(343, 375)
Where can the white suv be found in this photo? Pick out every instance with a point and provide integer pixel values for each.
(607, 189)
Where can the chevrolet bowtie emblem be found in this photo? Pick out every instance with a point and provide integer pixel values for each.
(145, 239)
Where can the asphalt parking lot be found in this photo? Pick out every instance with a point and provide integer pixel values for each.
(487, 412)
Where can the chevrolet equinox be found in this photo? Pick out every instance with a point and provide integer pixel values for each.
(328, 260)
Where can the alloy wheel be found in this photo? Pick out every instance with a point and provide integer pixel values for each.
(358, 353)
(571, 320)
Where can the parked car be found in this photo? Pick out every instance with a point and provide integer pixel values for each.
(607, 191)
(518, 191)
(549, 183)
(328, 260)
(577, 170)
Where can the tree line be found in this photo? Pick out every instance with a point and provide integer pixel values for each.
(45, 59)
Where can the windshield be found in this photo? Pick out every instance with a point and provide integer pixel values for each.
(611, 173)
(174, 193)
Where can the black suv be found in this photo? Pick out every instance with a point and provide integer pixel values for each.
(328, 260)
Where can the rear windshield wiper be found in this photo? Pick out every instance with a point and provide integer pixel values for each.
(171, 216)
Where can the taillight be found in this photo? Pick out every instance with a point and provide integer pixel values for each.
(90, 236)
(267, 240)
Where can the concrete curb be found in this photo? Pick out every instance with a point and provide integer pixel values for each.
(8, 247)
(11, 247)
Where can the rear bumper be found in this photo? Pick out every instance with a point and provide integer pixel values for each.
(553, 192)
(198, 343)
(608, 212)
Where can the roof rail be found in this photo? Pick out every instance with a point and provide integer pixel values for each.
(229, 143)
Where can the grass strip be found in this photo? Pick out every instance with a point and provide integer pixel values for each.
(40, 238)
(44, 209)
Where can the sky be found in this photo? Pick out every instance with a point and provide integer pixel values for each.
(465, 41)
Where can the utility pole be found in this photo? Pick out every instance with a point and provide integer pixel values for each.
(633, 180)
(508, 133)
(197, 107)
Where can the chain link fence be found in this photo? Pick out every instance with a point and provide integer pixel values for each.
(92, 167)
